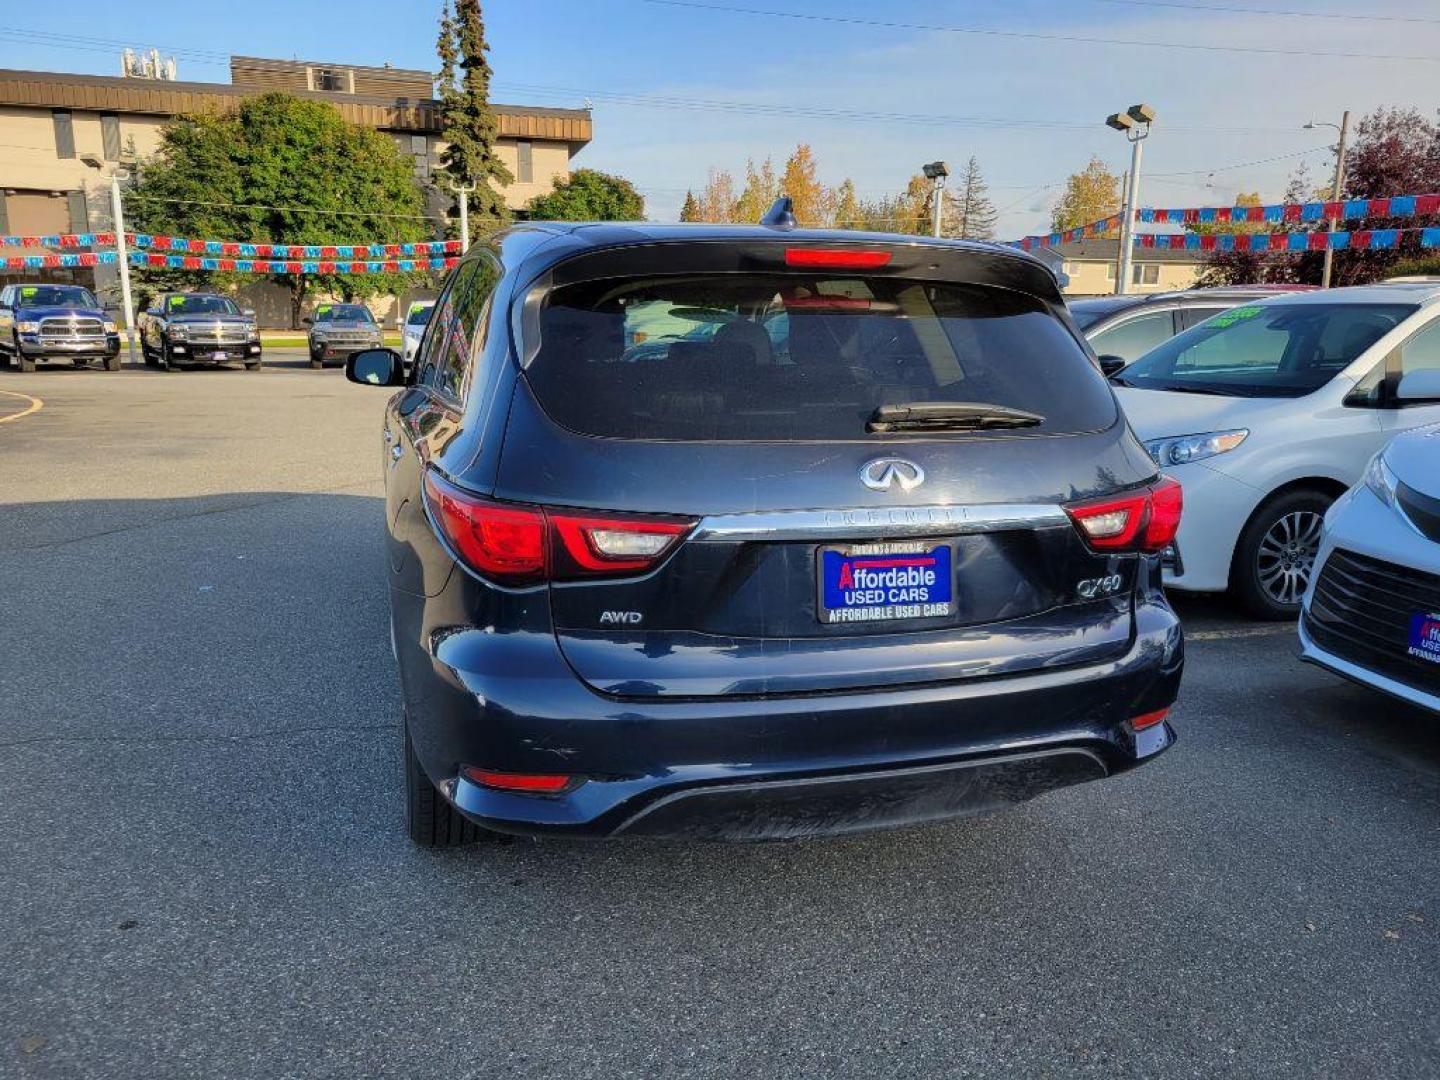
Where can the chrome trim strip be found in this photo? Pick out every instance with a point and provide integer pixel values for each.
(879, 521)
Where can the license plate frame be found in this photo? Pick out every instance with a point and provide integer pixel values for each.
(219, 354)
(1424, 639)
(904, 580)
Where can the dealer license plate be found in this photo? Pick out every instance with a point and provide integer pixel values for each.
(1425, 636)
(892, 580)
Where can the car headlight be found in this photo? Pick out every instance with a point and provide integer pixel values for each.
(318, 334)
(110, 327)
(1380, 480)
(26, 326)
(179, 333)
(1182, 449)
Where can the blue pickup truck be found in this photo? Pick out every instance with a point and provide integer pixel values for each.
(56, 322)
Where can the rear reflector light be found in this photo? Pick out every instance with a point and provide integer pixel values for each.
(836, 258)
(518, 544)
(1149, 719)
(1144, 520)
(534, 783)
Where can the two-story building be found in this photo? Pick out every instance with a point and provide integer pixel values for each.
(51, 123)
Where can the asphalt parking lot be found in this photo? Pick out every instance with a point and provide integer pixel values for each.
(205, 871)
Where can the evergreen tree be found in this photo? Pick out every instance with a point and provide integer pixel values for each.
(691, 210)
(467, 123)
(969, 213)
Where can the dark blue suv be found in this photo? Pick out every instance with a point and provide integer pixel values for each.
(875, 547)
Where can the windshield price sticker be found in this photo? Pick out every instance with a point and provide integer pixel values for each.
(1425, 636)
(871, 582)
(1234, 315)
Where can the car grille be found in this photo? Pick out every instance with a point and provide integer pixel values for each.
(1362, 611)
(219, 335)
(349, 337)
(68, 329)
(1422, 510)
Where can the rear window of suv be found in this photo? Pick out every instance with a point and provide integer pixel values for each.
(790, 357)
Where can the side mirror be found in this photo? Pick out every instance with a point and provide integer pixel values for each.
(307, 321)
(1418, 386)
(375, 367)
(248, 312)
(1110, 364)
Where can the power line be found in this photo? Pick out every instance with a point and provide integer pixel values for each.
(1034, 35)
(1271, 11)
(824, 112)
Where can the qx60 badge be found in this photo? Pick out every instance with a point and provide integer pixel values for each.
(882, 474)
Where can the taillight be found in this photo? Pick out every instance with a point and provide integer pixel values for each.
(1149, 719)
(505, 542)
(837, 258)
(1144, 520)
(608, 545)
(1167, 501)
(519, 544)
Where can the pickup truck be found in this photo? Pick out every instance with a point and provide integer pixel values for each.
(198, 328)
(56, 322)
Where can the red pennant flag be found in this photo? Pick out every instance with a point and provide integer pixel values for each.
(161, 243)
(192, 262)
(1334, 211)
(264, 250)
(1223, 213)
(357, 268)
(1242, 242)
(327, 268)
(294, 268)
(392, 249)
(227, 264)
(1427, 204)
(1255, 213)
(155, 260)
(1291, 212)
(1379, 207)
(1360, 239)
(392, 266)
(1277, 241)
(328, 253)
(1176, 241)
(195, 245)
(1207, 243)
(230, 249)
(1317, 241)
(261, 266)
(88, 258)
(52, 260)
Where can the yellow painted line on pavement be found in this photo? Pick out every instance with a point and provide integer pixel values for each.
(1241, 632)
(35, 406)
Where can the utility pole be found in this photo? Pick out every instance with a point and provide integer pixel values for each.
(1135, 123)
(1344, 130)
(122, 260)
(463, 192)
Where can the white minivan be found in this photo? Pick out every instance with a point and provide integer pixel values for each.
(1266, 414)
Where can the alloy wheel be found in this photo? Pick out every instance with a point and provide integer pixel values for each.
(1286, 557)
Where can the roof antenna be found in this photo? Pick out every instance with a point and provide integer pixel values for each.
(781, 215)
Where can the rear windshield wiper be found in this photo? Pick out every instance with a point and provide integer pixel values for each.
(949, 416)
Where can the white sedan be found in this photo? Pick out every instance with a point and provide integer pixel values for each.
(1373, 612)
(1266, 414)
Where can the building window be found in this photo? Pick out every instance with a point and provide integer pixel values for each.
(525, 166)
(1109, 271)
(328, 79)
(420, 153)
(110, 135)
(64, 133)
(1145, 274)
(79, 211)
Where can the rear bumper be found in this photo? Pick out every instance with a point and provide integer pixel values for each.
(750, 768)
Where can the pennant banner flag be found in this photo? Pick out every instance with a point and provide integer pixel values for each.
(1359, 239)
(37, 262)
(289, 266)
(1337, 210)
(315, 252)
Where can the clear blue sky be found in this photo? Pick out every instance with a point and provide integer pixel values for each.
(677, 89)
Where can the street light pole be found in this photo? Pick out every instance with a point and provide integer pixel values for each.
(1344, 129)
(1135, 123)
(122, 260)
(463, 192)
(936, 172)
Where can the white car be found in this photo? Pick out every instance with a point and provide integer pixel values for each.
(1266, 414)
(413, 329)
(1373, 612)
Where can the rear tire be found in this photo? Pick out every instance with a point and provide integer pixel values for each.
(162, 356)
(112, 363)
(1275, 557)
(429, 818)
(253, 365)
(315, 361)
(23, 362)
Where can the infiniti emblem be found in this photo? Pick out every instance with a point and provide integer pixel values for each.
(884, 473)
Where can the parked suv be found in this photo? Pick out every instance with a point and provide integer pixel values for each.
(337, 330)
(1124, 328)
(198, 328)
(56, 322)
(897, 567)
